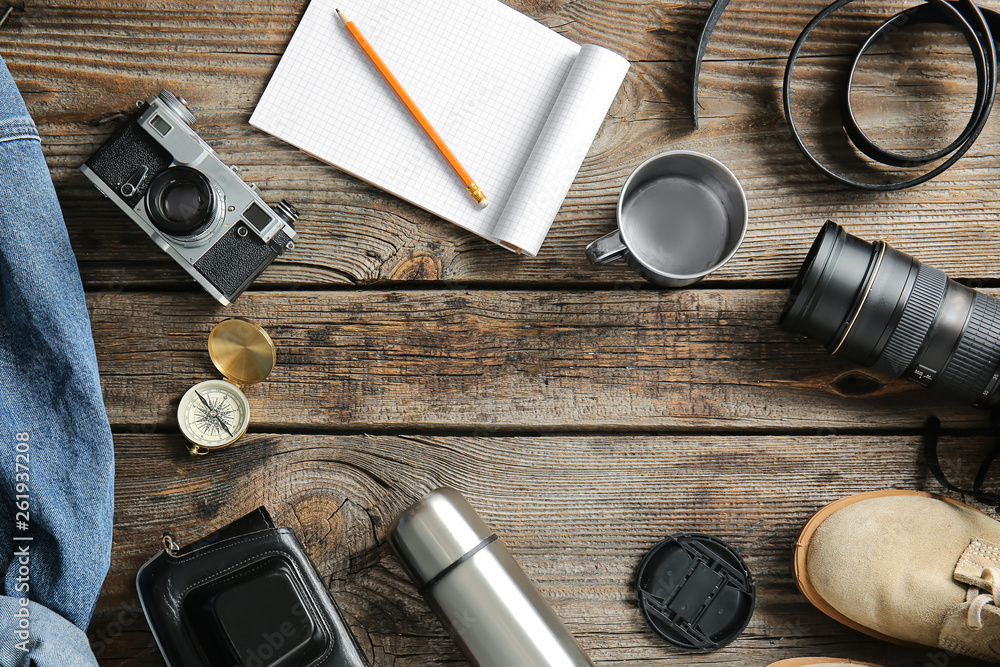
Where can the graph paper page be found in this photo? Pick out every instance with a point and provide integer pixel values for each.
(486, 76)
(559, 152)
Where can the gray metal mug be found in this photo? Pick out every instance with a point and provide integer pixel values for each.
(681, 216)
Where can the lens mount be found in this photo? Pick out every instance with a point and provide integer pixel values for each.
(181, 202)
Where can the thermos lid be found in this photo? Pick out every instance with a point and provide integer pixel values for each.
(436, 532)
(695, 592)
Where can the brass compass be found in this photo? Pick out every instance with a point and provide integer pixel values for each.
(214, 414)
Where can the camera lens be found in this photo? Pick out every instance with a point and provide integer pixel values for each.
(182, 202)
(884, 309)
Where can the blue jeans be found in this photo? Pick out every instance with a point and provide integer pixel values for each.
(56, 455)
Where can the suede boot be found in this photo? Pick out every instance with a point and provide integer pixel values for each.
(907, 567)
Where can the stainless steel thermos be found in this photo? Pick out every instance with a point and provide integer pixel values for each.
(474, 585)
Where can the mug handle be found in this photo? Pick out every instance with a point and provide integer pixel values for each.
(606, 249)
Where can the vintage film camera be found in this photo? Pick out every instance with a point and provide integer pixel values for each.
(175, 187)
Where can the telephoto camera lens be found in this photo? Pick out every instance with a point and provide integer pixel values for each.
(182, 202)
(882, 308)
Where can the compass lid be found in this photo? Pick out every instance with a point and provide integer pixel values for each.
(241, 350)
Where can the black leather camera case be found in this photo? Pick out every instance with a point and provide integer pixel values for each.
(245, 596)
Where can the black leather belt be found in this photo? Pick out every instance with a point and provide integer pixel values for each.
(975, 24)
(718, 7)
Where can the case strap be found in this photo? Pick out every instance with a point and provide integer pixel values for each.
(931, 433)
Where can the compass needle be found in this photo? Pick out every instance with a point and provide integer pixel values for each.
(223, 425)
(198, 394)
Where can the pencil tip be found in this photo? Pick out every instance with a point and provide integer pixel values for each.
(341, 15)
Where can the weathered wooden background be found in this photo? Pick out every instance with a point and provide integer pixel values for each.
(584, 413)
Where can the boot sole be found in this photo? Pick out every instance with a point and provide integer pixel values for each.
(802, 548)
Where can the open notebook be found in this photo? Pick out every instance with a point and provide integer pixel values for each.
(519, 105)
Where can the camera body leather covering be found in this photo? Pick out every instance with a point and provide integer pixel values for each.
(245, 596)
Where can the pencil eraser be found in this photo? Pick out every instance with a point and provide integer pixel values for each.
(484, 202)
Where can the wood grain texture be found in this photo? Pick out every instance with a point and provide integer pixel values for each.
(625, 359)
(82, 64)
(578, 513)
(583, 412)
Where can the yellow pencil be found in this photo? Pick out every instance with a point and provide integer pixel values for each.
(411, 106)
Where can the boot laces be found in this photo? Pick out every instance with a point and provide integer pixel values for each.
(980, 599)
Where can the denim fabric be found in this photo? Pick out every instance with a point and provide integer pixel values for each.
(50, 391)
(53, 642)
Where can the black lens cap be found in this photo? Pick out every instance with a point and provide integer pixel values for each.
(695, 592)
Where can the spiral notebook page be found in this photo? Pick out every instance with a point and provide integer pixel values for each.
(485, 75)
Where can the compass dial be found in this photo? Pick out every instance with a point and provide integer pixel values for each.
(213, 414)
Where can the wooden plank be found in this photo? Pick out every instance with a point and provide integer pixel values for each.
(626, 359)
(578, 513)
(80, 64)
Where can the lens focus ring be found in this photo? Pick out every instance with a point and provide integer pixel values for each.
(975, 360)
(918, 315)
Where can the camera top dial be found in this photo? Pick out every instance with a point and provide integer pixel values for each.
(178, 105)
